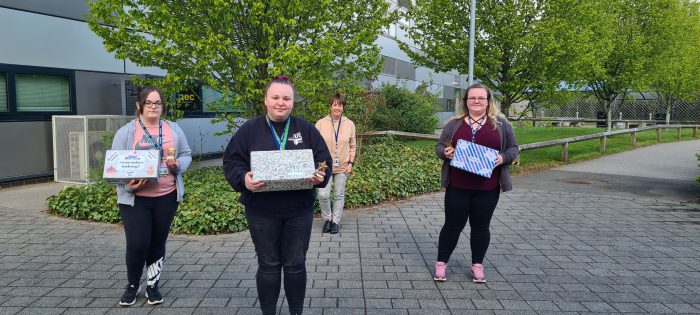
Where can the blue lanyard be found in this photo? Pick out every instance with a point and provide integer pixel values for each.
(479, 123)
(336, 132)
(160, 136)
(280, 142)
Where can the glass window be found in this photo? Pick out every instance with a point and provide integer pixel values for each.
(42, 93)
(210, 98)
(3, 92)
(389, 66)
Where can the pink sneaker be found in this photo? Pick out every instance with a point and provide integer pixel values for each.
(440, 271)
(478, 273)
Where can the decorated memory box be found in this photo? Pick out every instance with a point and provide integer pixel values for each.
(121, 165)
(474, 158)
(283, 170)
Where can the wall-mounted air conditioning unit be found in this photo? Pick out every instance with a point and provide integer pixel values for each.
(79, 146)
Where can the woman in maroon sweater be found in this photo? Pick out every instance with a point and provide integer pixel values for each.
(471, 197)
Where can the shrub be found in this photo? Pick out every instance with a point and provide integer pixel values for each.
(404, 110)
(209, 207)
(94, 202)
(387, 170)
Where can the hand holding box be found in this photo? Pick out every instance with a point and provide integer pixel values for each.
(474, 158)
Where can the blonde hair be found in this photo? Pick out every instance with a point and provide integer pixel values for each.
(492, 111)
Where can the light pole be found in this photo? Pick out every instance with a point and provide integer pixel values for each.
(472, 15)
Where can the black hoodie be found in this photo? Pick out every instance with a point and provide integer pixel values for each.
(255, 135)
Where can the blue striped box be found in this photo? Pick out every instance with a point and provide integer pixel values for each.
(474, 158)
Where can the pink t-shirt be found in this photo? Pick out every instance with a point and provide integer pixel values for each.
(166, 183)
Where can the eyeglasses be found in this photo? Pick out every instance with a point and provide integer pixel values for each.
(474, 99)
(155, 104)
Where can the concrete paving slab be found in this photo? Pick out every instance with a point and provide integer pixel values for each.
(555, 248)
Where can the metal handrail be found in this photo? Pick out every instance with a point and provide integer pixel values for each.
(551, 143)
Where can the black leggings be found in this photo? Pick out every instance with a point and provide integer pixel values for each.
(281, 245)
(477, 207)
(146, 226)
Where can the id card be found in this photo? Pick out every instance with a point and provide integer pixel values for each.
(336, 162)
(163, 171)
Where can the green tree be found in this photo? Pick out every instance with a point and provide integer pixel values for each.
(404, 110)
(621, 41)
(237, 46)
(523, 48)
(674, 74)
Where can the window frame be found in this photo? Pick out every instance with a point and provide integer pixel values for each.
(12, 114)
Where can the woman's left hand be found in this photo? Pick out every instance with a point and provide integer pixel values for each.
(318, 177)
(172, 165)
(499, 160)
(348, 169)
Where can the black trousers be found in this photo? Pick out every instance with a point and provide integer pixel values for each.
(281, 244)
(475, 206)
(146, 226)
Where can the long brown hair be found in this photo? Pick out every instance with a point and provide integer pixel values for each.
(143, 95)
(492, 110)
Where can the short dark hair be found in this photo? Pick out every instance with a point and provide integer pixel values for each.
(336, 98)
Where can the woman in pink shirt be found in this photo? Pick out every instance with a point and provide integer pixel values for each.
(147, 208)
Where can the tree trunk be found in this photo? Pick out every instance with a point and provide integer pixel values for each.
(668, 113)
(608, 118)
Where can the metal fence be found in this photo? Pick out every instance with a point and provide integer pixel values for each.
(630, 110)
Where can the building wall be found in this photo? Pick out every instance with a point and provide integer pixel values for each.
(53, 35)
(399, 69)
(34, 39)
(26, 150)
(98, 93)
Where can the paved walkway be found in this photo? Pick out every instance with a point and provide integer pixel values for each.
(552, 251)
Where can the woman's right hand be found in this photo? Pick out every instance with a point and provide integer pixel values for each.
(449, 152)
(251, 184)
(136, 184)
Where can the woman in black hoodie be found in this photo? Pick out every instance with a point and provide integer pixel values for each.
(279, 221)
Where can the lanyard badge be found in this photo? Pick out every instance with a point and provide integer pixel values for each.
(336, 132)
(281, 142)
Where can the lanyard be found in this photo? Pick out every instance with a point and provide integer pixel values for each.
(150, 138)
(281, 142)
(479, 123)
(336, 132)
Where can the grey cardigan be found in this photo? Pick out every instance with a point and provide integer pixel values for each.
(124, 140)
(509, 150)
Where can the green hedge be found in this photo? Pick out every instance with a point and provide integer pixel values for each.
(386, 170)
(406, 110)
(209, 207)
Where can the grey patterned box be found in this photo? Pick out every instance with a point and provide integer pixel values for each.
(283, 170)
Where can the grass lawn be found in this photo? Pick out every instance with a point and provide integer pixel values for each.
(541, 159)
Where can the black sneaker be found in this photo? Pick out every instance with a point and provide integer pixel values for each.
(326, 226)
(129, 297)
(335, 228)
(153, 295)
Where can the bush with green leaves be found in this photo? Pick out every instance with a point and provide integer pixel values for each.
(209, 206)
(387, 170)
(404, 110)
